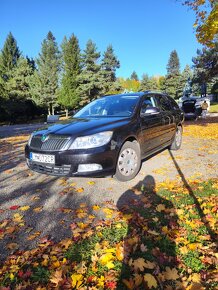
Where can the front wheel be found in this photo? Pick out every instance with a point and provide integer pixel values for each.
(129, 161)
(177, 141)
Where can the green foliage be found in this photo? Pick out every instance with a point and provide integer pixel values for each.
(192, 260)
(134, 76)
(48, 69)
(9, 56)
(149, 83)
(90, 78)
(68, 95)
(172, 84)
(40, 274)
(109, 65)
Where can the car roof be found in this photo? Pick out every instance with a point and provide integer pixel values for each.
(140, 94)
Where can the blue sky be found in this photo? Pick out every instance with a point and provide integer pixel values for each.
(142, 32)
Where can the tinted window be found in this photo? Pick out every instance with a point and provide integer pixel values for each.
(164, 103)
(173, 103)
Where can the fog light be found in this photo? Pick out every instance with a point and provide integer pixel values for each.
(89, 167)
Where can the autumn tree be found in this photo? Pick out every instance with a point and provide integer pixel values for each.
(48, 64)
(69, 95)
(206, 23)
(109, 65)
(129, 85)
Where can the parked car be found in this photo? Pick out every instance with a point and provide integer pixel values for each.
(109, 136)
(191, 106)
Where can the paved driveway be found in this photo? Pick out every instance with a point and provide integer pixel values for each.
(44, 205)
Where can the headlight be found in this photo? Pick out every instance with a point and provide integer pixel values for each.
(30, 139)
(92, 141)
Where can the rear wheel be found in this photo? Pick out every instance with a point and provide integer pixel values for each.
(177, 141)
(129, 161)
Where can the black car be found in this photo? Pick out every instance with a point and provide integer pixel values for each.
(109, 136)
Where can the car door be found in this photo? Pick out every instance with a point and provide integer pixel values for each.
(151, 125)
(169, 124)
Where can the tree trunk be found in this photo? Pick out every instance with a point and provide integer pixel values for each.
(66, 111)
(53, 109)
(49, 111)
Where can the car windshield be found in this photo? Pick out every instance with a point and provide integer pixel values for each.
(110, 106)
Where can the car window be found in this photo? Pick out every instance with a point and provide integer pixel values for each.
(164, 103)
(173, 103)
(147, 102)
(110, 106)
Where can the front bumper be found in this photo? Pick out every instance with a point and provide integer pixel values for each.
(67, 162)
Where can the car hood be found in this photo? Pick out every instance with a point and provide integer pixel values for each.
(82, 127)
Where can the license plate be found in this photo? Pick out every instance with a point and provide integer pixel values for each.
(42, 158)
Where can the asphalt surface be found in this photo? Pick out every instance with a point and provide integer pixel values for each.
(48, 196)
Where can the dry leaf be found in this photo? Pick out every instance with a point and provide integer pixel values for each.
(150, 280)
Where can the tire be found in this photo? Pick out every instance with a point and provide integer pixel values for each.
(128, 162)
(177, 141)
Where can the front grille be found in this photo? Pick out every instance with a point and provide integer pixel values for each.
(62, 170)
(53, 143)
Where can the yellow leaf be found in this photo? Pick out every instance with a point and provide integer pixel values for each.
(195, 278)
(96, 207)
(105, 258)
(100, 281)
(11, 276)
(160, 207)
(37, 209)
(56, 264)
(91, 182)
(77, 280)
(44, 262)
(80, 190)
(17, 218)
(24, 208)
(109, 265)
(151, 281)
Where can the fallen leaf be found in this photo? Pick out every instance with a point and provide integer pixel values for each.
(150, 280)
(170, 274)
(14, 207)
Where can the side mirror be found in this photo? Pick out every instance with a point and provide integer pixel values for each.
(149, 111)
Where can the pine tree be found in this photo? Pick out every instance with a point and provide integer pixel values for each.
(18, 85)
(90, 78)
(134, 76)
(48, 70)
(109, 65)
(149, 83)
(186, 81)
(69, 93)
(172, 82)
(173, 66)
(9, 57)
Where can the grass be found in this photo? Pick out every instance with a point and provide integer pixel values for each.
(214, 108)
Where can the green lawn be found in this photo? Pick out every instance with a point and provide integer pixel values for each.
(214, 108)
